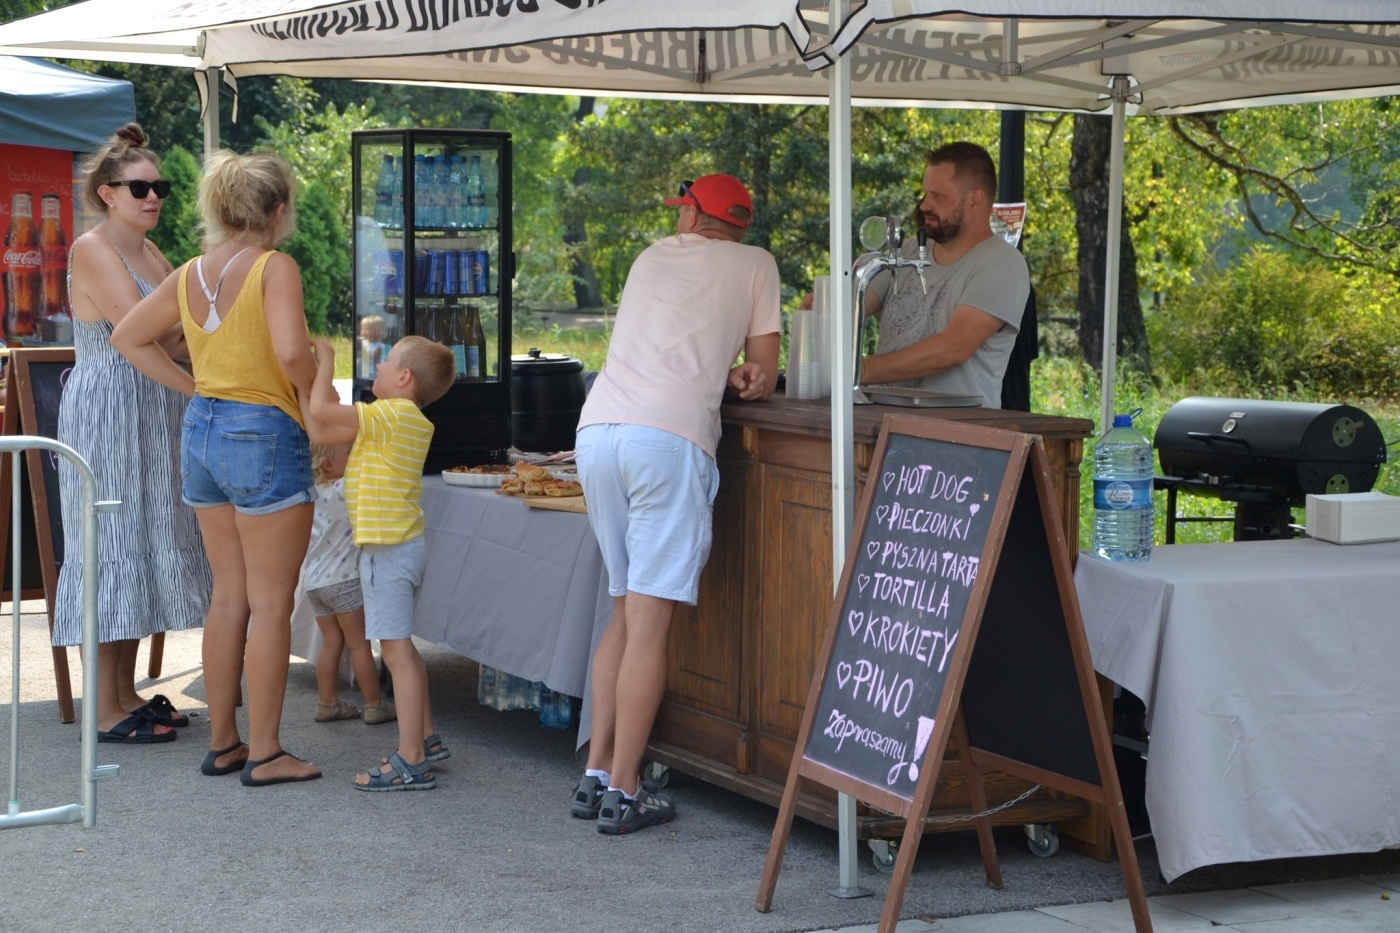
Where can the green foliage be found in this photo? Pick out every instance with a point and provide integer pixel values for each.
(1273, 323)
(178, 232)
(321, 248)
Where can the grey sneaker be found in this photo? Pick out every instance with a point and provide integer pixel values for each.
(618, 816)
(587, 796)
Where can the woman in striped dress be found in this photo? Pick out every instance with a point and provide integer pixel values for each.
(154, 575)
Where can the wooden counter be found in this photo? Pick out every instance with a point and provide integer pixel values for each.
(742, 660)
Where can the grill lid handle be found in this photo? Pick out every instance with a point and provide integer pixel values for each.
(1223, 438)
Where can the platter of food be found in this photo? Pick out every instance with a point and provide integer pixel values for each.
(540, 483)
(486, 476)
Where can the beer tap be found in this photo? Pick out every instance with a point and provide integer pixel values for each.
(874, 233)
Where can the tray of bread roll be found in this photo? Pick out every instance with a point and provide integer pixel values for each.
(543, 488)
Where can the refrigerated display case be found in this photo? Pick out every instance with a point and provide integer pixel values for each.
(433, 257)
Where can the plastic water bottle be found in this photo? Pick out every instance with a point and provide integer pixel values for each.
(486, 686)
(490, 181)
(1123, 492)
(421, 179)
(475, 207)
(384, 192)
(395, 220)
(453, 215)
(440, 182)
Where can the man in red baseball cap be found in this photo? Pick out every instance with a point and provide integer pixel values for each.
(646, 458)
(720, 196)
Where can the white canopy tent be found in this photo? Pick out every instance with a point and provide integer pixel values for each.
(1134, 56)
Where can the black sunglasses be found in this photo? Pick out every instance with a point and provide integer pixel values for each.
(140, 188)
(685, 192)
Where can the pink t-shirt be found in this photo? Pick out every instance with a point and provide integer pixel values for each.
(689, 305)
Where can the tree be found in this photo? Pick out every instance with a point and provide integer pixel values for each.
(321, 248)
(1089, 183)
(178, 233)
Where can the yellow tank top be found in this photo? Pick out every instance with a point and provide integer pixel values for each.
(236, 362)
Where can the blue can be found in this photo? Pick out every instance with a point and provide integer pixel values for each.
(464, 271)
(480, 280)
(420, 272)
(451, 272)
(436, 274)
(395, 283)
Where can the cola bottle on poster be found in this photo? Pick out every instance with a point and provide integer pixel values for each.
(23, 278)
(53, 259)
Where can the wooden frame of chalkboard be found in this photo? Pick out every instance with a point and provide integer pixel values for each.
(43, 508)
(956, 615)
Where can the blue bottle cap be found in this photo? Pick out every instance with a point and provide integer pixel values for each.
(1122, 421)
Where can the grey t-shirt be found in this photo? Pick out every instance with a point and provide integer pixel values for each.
(991, 277)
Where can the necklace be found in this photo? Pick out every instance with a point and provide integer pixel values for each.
(204, 286)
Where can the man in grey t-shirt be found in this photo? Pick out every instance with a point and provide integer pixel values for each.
(958, 337)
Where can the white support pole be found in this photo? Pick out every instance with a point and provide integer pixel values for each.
(1112, 247)
(842, 348)
(209, 92)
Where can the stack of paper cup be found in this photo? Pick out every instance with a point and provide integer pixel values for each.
(821, 309)
(804, 357)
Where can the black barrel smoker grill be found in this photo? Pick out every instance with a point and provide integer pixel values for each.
(1266, 457)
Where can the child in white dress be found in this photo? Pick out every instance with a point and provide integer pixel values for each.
(331, 578)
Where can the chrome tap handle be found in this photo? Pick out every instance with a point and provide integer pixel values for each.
(895, 245)
(923, 259)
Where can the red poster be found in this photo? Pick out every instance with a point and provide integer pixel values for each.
(36, 213)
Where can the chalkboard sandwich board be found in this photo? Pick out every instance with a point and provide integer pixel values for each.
(955, 616)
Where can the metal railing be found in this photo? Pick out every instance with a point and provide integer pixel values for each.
(86, 811)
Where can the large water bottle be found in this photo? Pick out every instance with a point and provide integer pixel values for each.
(384, 191)
(421, 180)
(475, 208)
(1123, 492)
(490, 181)
(453, 217)
(396, 196)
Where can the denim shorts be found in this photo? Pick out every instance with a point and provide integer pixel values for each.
(253, 457)
(389, 577)
(651, 500)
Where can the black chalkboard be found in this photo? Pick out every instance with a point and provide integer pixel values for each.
(40, 375)
(956, 616)
(921, 548)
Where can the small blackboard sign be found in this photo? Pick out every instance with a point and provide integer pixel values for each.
(40, 377)
(955, 617)
(925, 534)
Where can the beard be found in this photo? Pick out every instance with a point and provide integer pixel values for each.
(944, 229)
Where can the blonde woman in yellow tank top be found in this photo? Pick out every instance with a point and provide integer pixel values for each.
(244, 450)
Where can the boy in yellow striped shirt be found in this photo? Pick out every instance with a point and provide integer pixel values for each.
(383, 482)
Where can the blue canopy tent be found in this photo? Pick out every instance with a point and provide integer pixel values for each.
(47, 105)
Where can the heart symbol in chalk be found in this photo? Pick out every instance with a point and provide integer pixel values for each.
(854, 620)
(843, 674)
(888, 479)
(880, 512)
(871, 548)
(862, 581)
(972, 509)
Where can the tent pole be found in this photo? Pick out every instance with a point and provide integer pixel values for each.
(842, 336)
(209, 92)
(1111, 251)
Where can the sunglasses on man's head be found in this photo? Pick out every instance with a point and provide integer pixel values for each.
(685, 192)
(140, 188)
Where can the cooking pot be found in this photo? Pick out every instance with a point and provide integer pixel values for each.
(546, 395)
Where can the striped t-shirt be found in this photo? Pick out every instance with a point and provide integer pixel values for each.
(384, 476)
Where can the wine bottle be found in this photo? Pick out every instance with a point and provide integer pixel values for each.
(475, 340)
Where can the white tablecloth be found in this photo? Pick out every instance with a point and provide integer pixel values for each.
(1271, 675)
(513, 587)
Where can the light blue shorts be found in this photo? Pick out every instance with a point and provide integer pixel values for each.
(253, 457)
(651, 504)
(389, 576)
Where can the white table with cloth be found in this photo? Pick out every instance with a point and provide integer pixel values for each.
(1271, 675)
(513, 587)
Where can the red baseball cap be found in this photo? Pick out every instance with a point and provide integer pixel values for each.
(716, 195)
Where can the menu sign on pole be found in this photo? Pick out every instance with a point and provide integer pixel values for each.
(914, 572)
(956, 588)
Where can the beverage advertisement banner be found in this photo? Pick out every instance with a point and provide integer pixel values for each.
(36, 213)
